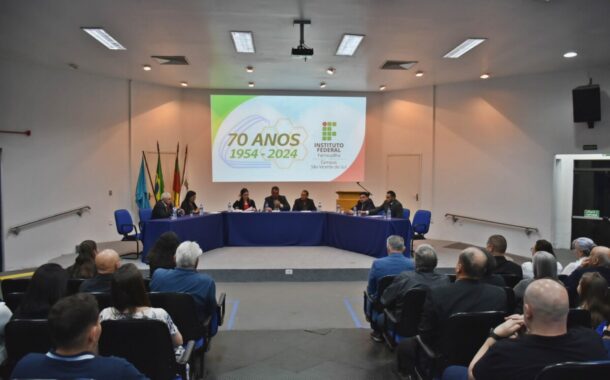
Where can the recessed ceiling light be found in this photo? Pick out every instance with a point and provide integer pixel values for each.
(249, 69)
(250, 84)
(322, 84)
(382, 87)
(184, 84)
(485, 76)
(419, 74)
(146, 67)
(243, 42)
(349, 44)
(570, 54)
(103, 37)
(331, 70)
(464, 47)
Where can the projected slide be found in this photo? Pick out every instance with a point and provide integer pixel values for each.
(287, 138)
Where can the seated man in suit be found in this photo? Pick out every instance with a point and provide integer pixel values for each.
(394, 263)
(164, 208)
(391, 204)
(496, 245)
(276, 201)
(466, 294)
(106, 263)
(304, 203)
(365, 203)
(75, 330)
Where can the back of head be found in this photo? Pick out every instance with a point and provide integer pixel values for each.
(583, 245)
(162, 253)
(48, 284)
(600, 256)
(187, 255)
(497, 243)
(107, 261)
(425, 258)
(544, 245)
(70, 320)
(395, 244)
(473, 263)
(545, 265)
(546, 303)
(127, 289)
(593, 290)
(84, 265)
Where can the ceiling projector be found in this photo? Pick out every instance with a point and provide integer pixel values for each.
(302, 51)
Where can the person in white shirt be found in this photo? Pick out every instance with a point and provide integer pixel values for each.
(540, 245)
(582, 248)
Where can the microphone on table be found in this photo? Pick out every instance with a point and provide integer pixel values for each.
(364, 188)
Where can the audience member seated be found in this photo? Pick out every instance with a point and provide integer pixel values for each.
(582, 249)
(84, 265)
(496, 245)
(244, 202)
(490, 277)
(598, 261)
(131, 301)
(593, 295)
(5, 316)
(424, 277)
(185, 279)
(276, 201)
(107, 262)
(466, 294)
(542, 338)
(391, 204)
(189, 204)
(75, 330)
(545, 266)
(48, 284)
(539, 246)
(304, 203)
(365, 203)
(161, 254)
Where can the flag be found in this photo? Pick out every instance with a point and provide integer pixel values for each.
(177, 184)
(159, 186)
(141, 193)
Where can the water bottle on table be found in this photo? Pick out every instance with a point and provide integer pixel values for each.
(319, 206)
(229, 208)
(355, 210)
(388, 213)
(173, 213)
(201, 208)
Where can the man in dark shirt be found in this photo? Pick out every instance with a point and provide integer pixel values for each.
(547, 340)
(106, 263)
(365, 203)
(304, 203)
(75, 331)
(466, 294)
(496, 245)
(391, 204)
(163, 208)
(276, 201)
(598, 261)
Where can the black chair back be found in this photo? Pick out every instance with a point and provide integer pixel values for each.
(13, 300)
(104, 300)
(145, 343)
(382, 285)
(74, 285)
(511, 279)
(579, 317)
(24, 336)
(464, 333)
(573, 370)
(511, 302)
(181, 307)
(14, 285)
(412, 307)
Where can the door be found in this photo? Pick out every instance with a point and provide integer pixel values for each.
(591, 200)
(403, 176)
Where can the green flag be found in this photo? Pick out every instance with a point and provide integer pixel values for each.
(159, 186)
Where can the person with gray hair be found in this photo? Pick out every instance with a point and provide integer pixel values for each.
(581, 247)
(545, 266)
(540, 337)
(163, 208)
(392, 264)
(185, 279)
(598, 261)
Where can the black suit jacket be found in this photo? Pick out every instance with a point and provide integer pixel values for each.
(300, 205)
(460, 296)
(365, 206)
(507, 267)
(395, 209)
(239, 204)
(285, 206)
(100, 284)
(161, 211)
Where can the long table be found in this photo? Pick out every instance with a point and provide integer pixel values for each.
(366, 235)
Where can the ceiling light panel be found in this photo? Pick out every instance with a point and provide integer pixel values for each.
(103, 37)
(243, 42)
(349, 44)
(464, 47)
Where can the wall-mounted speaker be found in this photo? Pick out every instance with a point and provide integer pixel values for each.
(587, 104)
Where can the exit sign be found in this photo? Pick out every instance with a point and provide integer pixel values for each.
(592, 213)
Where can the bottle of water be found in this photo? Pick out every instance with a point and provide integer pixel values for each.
(201, 208)
(265, 207)
(355, 210)
(319, 206)
(229, 208)
(388, 213)
(173, 213)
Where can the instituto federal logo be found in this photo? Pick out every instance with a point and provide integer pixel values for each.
(327, 130)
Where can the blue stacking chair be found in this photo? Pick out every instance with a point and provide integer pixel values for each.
(145, 214)
(420, 225)
(576, 370)
(406, 213)
(125, 227)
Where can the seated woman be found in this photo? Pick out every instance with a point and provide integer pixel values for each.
(188, 204)
(131, 301)
(84, 265)
(540, 245)
(161, 254)
(593, 293)
(244, 202)
(47, 286)
(545, 266)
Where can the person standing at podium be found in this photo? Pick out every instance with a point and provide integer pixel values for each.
(276, 201)
(391, 204)
(365, 203)
(304, 203)
(244, 202)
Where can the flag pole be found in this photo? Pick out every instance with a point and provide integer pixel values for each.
(152, 186)
(186, 152)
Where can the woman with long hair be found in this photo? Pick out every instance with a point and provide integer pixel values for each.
(48, 284)
(544, 266)
(161, 254)
(188, 204)
(244, 202)
(593, 293)
(84, 264)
